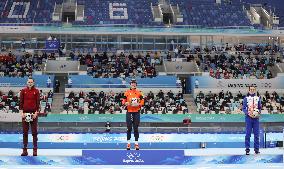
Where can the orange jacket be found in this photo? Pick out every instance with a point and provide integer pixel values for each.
(132, 95)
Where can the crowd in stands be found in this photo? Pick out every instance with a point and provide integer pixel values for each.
(256, 49)
(227, 103)
(10, 102)
(240, 67)
(21, 65)
(111, 103)
(121, 65)
(239, 62)
(197, 53)
(46, 100)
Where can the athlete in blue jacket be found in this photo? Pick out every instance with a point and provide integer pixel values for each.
(252, 109)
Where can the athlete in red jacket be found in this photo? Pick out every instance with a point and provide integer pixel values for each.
(29, 108)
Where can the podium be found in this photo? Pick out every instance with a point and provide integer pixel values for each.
(134, 157)
(140, 157)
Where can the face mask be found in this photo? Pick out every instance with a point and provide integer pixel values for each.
(30, 84)
(133, 86)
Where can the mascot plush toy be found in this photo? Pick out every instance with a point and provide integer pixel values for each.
(28, 117)
(134, 102)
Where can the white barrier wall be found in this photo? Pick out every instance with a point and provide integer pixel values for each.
(180, 67)
(206, 81)
(61, 66)
(10, 117)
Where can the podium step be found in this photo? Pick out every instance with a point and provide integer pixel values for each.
(140, 157)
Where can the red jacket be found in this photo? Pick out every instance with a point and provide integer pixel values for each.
(29, 100)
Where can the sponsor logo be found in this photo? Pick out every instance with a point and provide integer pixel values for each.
(133, 158)
(179, 67)
(106, 139)
(84, 118)
(61, 138)
(241, 85)
(52, 45)
(267, 85)
(157, 138)
(246, 85)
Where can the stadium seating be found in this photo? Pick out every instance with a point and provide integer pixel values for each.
(38, 11)
(106, 66)
(196, 12)
(15, 65)
(9, 102)
(110, 103)
(238, 62)
(203, 13)
(228, 103)
(276, 6)
(20, 65)
(208, 13)
(139, 12)
(237, 67)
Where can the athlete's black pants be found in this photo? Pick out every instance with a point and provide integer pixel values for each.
(132, 120)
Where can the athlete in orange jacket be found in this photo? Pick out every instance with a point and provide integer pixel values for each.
(134, 100)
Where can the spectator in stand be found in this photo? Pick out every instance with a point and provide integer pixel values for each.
(120, 66)
(47, 108)
(20, 66)
(242, 65)
(169, 57)
(160, 94)
(196, 83)
(110, 102)
(48, 82)
(81, 94)
(50, 94)
(23, 42)
(271, 102)
(70, 82)
(57, 86)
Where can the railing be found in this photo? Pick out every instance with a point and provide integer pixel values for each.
(18, 85)
(60, 24)
(121, 86)
(171, 129)
(30, 24)
(12, 84)
(279, 28)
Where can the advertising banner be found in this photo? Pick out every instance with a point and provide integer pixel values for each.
(52, 44)
(226, 118)
(225, 84)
